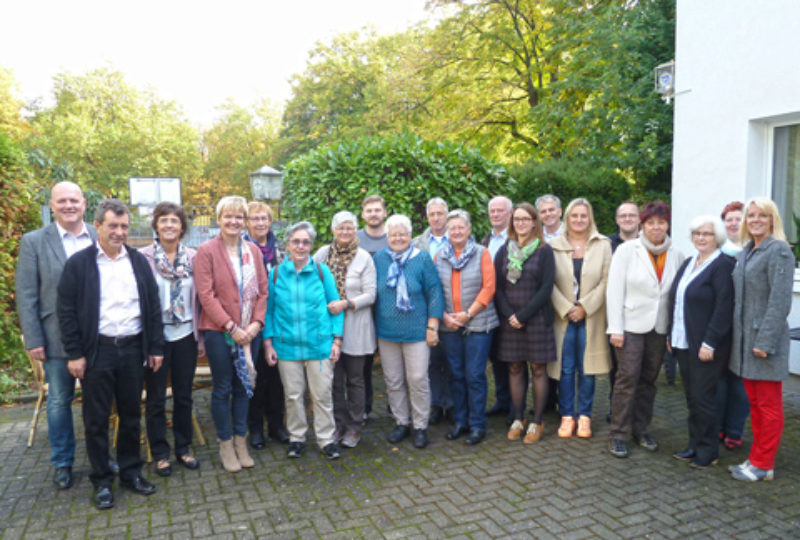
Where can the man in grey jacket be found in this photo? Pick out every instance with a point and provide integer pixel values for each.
(42, 255)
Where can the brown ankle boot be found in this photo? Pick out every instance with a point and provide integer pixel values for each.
(240, 447)
(228, 457)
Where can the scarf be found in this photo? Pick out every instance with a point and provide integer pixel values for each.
(447, 251)
(248, 290)
(338, 260)
(658, 254)
(397, 278)
(174, 274)
(517, 257)
(268, 249)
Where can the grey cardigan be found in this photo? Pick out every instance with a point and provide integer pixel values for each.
(358, 337)
(762, 283)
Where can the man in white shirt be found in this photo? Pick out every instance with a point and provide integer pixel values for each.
(110, 319)
(549, 208)
(42, 254)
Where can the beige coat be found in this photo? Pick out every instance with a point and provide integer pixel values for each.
(594, 274)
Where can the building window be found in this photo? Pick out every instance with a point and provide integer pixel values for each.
(786, 176)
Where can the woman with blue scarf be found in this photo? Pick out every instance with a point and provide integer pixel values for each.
(468, 280)
(408, 308)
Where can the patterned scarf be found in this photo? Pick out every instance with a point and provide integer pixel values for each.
(174, 274)
(517, 257)
(248, 290)
(268, 249)
(338, 260)
(397, 278)
(447, 251)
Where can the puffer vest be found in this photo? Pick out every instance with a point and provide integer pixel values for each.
(470, 287)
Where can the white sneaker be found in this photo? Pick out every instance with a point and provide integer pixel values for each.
(751, 473)
(742, 465)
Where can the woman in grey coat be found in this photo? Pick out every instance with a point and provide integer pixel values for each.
(762, 281)
(354, 272)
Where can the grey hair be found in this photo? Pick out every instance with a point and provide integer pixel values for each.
(343, 217)
(719, 229)
(399, 220)
(548, 198)
(301, 226)
(509, 202)
(436, 200)
(115, 206)
(458, 213)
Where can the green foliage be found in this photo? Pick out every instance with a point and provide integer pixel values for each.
(17, 215)
(570, 179)
(404, 169)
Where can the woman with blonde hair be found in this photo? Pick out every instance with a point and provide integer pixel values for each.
(762, 282)
(582, 257)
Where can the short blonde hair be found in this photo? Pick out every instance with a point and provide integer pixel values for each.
(580, 201)
(770, 208)
(256, 207)
(231, 203)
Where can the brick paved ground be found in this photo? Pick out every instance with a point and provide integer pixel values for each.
(554, 489)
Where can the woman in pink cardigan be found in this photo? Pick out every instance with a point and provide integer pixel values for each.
(232, 287)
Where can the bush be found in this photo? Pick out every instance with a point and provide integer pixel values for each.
(570, 179)
(406, 170)
(17, 215)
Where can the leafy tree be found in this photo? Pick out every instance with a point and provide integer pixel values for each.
(404, 169)
(106, 131)
(11, 121)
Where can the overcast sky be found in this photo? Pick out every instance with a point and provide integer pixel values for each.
(197, 53)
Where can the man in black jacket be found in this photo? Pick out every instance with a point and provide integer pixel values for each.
(110, 320)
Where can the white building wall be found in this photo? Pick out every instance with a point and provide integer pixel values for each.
(737, 76)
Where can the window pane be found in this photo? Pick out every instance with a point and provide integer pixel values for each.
(786, 176)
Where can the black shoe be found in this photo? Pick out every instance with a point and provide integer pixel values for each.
(257, 440)
(163, 467)
(703, 464)
(399, 433)
(331, 451)
(608, 418)
(646, 441)
(420, 438)
(475, 436)
(296, 449)
(436, 415)
(189, 461)
(279, 434)
(138, 485)
(63, 477)
(103, 498)
(449, 415)
(687, 454)
(456, 432)
(618, 448)
(496, 410)
(113, 465)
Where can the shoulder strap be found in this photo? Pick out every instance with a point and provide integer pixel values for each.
(319, 271)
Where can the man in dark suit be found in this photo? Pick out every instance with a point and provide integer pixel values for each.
(42, 254)
(110, 319)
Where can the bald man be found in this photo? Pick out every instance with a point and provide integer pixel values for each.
(42, 254)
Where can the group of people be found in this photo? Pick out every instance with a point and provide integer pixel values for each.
(277, 323)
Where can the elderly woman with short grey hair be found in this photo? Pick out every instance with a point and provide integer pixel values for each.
(409, 306)
(354, 272)
(304, 339)
(701, 300)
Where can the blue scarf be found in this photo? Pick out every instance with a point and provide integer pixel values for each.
(397, 278)
(449, 253)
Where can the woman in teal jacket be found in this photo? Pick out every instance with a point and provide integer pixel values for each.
(304, 339)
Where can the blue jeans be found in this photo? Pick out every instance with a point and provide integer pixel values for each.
(60, 394)
(439, 375)
(572, 361)
(229, 399)
(467, 353)
(732, 404)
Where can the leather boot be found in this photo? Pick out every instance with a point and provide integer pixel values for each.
(240, 446)
(228, 457)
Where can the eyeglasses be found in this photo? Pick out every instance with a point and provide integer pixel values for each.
(703, 234)
(259, 219)
(345, 228)
(523, 219)
(627, 216)
(399, 235)
(297, 242)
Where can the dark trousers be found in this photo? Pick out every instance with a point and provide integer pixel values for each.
(700, 380)
(180, 361)
(116, 374)
(267, 401)
(369, 359)
(638, 363)
(348, 393)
